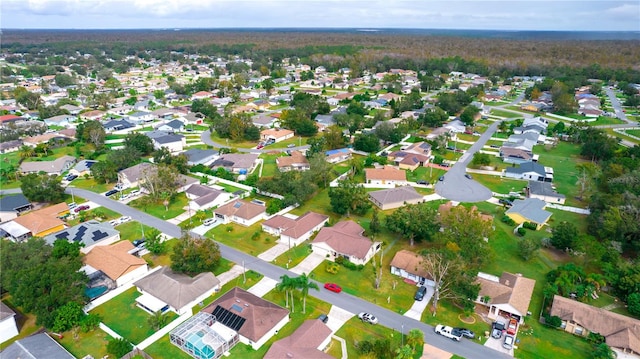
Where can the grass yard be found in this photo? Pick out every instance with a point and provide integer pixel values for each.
(101, 214)
(269, 167)
(241, 237)
(605, 120)
(163, 349)
(563, 159)
(93, 343)
(296, 141)
(499, 184)
(506, 114)
(91, 185)
(176, 207)
(354, 331)
(26, 322)
(231, 143)
(633, 132)
(229, 188)
(294, 256)
(163, 259)
(122, 315)
(132, 230)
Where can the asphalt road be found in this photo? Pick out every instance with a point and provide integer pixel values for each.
(456, 186)
(617, 107)
(348, 302)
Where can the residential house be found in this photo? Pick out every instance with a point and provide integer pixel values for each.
(241, 212)
(294, 231)
(172, 142)
(116, 262)
(142, 105)
(276, 135)
(172, 126)
(345, 239)
(411, 157)
(12, 205)
(10, 146)
(121, 110)
(203, 197)
(516, 155)
(55, 167)
(308, 341)
(324, 121)
(256, 320)
(165, 290)
(455, 126)
(410, 265)
(164, 113)
(95, 115)
(621, 333)
(197, 156)
(8, 327)
(338, 155)
(133, 176)
(88, 234)
(294, 162)
(60, 120)
(73, 110)
(201, 95)
(507, 296)
(140, 117)
(545, 192)
(242, 163)
(395, 197)
(529, 210)
(117, 125)
(37, 346)
(50, 137)
(532, 171)
(387, 176)
(37, 223)
(82, 168)
(263, 120)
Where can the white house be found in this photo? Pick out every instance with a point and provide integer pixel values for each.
(241, 212)
(8, 327)
(294, 231)
(409, 265)
(345, 239)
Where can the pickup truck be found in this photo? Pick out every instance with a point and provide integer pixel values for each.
(448, 332)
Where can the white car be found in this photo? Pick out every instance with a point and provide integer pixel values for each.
(448, 332)
(209, 221)
(124, 219)
(368, 317)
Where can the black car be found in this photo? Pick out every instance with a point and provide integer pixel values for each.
(111, 192)
(420, 293)
(324, 318)
(467, 333)
(505, 202)
(441, 178)
(468, 176)
(138, 242)
(422, 182)
(71, 177)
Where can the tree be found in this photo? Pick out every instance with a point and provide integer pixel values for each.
(320, 171)
(468, 115)
(68, 316)
(481, 159)
(349, 197)
(194, 256)
(367, 143)
(26, 152)
(633, 303)
(415, 221)
(564, 235)
(415, 338)
(153, 241)
(104, 171)
(374, 225)
(42, 188)
(334, 138)
(527, 247)
(64, 80)
(287, 284)
(141, 143)
(433, 118)
(157, 320)
(304, 283)
(404, 352)
(91, 132)
(119, 347)
(161, 182)
(603, 351)
(467, 228)
(450, 279)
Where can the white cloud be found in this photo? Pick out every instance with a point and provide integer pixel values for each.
(626, 11)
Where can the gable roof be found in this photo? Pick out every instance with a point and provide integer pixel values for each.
(530, 208)
(195, 155)
(345, 237)
(134, 173)
(242, 209)
(169, 138)
(37, 346)
(303, 343)
(260, 315)
(395, 195)
(296, 158)
(296, 228)
(543, 189)
(114, 260)
(387, 173)
(236, 160)
(13, 202)
(5, 312)
(527, 167)
(176, 289)
(43, 219)
(512, 289)
(47, 166)
(410, 262)
(87, 233)
(619, 331)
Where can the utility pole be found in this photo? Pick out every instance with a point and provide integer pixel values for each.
(244, 273)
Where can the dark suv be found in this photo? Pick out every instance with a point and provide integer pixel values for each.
(420, 293)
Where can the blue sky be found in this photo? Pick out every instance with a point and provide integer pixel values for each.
(471, 14)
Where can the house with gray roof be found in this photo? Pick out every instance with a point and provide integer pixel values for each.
(73, 109)
(529, 210)
(531, 171)
(395, 197)
(10, 146)
(545, 192)
(171, 141)
(55, 167)
(12, 205)
(165, 290)
(117, 125)
(196, 156)
(83, 167)
(236, 162)
(132, 176)
(516, 155)
(140, 117)
(37, 346)
(172, 126)
(8, 327)
(60, 120)
(203, 197)
(88, 234)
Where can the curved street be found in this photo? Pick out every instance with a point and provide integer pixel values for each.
(348, 302)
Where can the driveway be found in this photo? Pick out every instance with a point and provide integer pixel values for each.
(202, 229)
(273, 252)
(496, 344)
(264, 286)
(419, 306)
(337, 317)
(308, 264)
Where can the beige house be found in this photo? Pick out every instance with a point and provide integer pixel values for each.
(308, 341)
(620, 332)
(276, 134)
(294, 231)
(241, 212)
(295, 162)
(116, 262)
(507, 296)
(345, 239)
(55, 167)
(416, 155)
(387, 176)
(395, 197)
(409, 265)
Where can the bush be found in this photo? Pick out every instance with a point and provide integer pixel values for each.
(527, 248)
(529, 225)
(553, 321)
(119, 347)
(332, 268)
(521, 231)
(508, 220)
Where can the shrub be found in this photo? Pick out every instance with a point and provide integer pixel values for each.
(529, 225)
(553, 321)
(332, 268)
(256, 235)
(508, 220)
(90, 322)
(521, 231)
(119, 347)
(527, 248)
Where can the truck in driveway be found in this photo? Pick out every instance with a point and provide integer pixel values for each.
(448, 332)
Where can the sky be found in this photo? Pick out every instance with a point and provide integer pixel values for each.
(558, 15)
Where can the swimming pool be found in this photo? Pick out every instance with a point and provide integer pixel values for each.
(95, 292)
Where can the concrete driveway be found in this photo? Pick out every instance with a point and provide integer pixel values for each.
(202, 229)
(308, 264)
(419, 306)
(496, 344)
(273, 252)
(337, 318)
(263, 287)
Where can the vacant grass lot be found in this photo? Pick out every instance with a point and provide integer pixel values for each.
(294, 256)
(563, 159)
(355, 331)
(101, 214)
(123, 316)
(132, 230)
(91, 185)
(241, 237)
(506, 114)
(176, 207)
(499, 184)
(93, 343)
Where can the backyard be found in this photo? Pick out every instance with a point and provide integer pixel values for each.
(175, 208)
(250, 240)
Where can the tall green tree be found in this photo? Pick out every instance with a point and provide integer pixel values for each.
(141, 143)
(304, 283)
(193, 256)
(42, 188)
(417, 222)
(349, 197)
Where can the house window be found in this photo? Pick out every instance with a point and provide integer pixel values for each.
(578, 330)
(563, 325)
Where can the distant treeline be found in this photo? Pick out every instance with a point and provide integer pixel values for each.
(609, 60)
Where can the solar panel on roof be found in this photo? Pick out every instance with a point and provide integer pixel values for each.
(228, 319)
(80, 234)
(237, 205)
(98, 235)
(62, 235)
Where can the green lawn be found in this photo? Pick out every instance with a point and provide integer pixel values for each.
(176, 207)
(229, 188)
(563, 159)
(354, 331)
(633, 132)
(101, 214)
(91, 185)
(163, 349)
(499, 184)
(10, 159)
(55, 153)
(122, 315)
(506, 114)
(605, 120)
(240, 237)
(294, 256)
(93, 343)
(162, 259)
(270, 167)
(132, 230)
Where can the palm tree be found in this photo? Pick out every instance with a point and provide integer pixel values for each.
(286, 285)
(26, 152)
(304, 283)
(405, 352)
(415, 338)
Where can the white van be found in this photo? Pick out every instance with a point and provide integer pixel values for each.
(209, 221)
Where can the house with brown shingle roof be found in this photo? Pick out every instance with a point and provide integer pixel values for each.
(416, 155)
(409, 265)
(255, 319)
(345, 239)
(241, 212)
(294, 231)
(308, 341)
(276, 134)
(395, 197)
(620, 332)
(506, 296)
(387, 176)
(295, 162)
(43, 221)
(116, 262)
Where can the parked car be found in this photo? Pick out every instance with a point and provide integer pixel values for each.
(333, 287)
(209, 221)
(111, 192)
(291, 145)
(114, 222)
(324, 318)
(420, 293)
(441, 178)
(513, 326)
(71, 177)
(135, 192)
(467, 333)
(368, 317)
(422, 182)
(124, 219)
(496, 333)
(505, 202)
(468, 176)
(78, 209)
(448, 332)
(508, 342)
(72, 205)
(139, 242)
